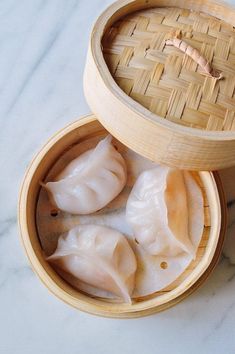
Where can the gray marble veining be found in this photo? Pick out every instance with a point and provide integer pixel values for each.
(42, 54)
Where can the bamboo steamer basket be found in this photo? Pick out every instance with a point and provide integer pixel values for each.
(156, 99)
(207, 255)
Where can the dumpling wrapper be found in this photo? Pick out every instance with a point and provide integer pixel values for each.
(150, 277)
(90, 181)
(157, 211)
(99, 257)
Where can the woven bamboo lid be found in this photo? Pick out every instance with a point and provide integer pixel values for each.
(157, 98)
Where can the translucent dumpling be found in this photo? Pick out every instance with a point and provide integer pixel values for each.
(157, 212)
(90, 181)
(98, 256)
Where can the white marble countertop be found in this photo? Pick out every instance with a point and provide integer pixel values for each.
(43, 47)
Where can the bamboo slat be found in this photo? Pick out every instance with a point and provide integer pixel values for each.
(137, 44)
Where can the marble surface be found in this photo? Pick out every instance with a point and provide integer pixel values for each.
(43, 47)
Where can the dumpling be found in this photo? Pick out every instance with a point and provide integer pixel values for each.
(98, 256)
(157, 212)
(90, 181)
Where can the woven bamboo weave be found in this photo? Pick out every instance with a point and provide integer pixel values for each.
(164, 79)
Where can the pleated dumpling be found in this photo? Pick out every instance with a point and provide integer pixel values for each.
(157, 212)
(90, 181)
(99, 257)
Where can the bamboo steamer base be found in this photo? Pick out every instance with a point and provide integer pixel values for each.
(207, 255)
(156, 99)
